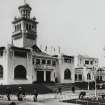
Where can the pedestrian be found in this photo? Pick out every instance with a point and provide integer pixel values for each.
(20, 94)
(73, 89)
(12, 103)
(35, 95)
(8, 92)
(60, 90)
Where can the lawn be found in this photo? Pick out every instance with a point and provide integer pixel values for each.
(86, 101)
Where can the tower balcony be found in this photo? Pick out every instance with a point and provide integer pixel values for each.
(30, 32)
(17, 32)
(31, 19)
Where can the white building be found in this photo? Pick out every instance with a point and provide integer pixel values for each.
(15, 65)
(22, 62)
(101, 74)
(85, 68)
(65, 69)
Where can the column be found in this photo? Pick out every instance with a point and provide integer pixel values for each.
(44, 76)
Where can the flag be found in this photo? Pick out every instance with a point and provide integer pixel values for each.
(51, 48)
(41, 46)
(24, 1)
(46, 48)
(59, 49)
(12, 42)
(54, 50)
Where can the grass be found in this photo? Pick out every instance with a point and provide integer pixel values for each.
(86, 101)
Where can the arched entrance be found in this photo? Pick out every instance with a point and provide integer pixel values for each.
(67, 74)
(20, 72)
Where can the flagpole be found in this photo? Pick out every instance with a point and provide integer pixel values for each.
(95, 71)
(24, 1)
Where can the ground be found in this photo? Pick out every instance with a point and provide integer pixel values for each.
(49, 99)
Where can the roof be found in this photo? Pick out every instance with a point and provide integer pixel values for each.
(36, 49)
(19, 48)
(40, 53)
(25, 6)
(55, 56)
(68, 56)
(86, 56)
(2, 48)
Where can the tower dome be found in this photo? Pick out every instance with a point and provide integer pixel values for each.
(25, 10)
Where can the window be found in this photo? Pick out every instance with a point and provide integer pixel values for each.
(86, 62)
(33, 61)
(95, 61)
(27, 27)
(54, 63)
(88, 76)
(75, 77)
(15, 28)
(67, 74)
(19, 26)
(32, 27)
(80, 77)
(48, 62)
(91, 62)
(20, 72)
(99, 78)
(67, 60)
(1, 53)
(1, 71)
(37, 61)
(43, 61)
(20, 54)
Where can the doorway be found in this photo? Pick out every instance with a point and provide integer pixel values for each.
(48, 76)
(40, 76)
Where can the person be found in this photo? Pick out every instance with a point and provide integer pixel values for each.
(20, 94)
(12, 103)
(73, 89)
(82, 94)
(60, 90)
(35, 95)
(8, 92)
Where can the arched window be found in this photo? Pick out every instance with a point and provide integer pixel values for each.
(20, 72)
(1, 71)
(67, 74)
(88, 76)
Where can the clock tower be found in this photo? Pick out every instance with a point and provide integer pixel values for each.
(25, 28)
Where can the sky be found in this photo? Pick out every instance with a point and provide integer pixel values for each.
(77, 26)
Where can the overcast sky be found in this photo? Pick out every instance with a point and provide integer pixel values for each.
(77, 26)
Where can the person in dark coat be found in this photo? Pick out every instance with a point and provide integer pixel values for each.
(12, 103)
(8, 92)
(20, 94)
(73, 89)
(60, 90)
(35, 95)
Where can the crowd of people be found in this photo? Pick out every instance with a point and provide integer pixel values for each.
(20, 94)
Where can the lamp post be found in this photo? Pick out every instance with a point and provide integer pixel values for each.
(95, 76)
(95, 88)
(88, 84)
